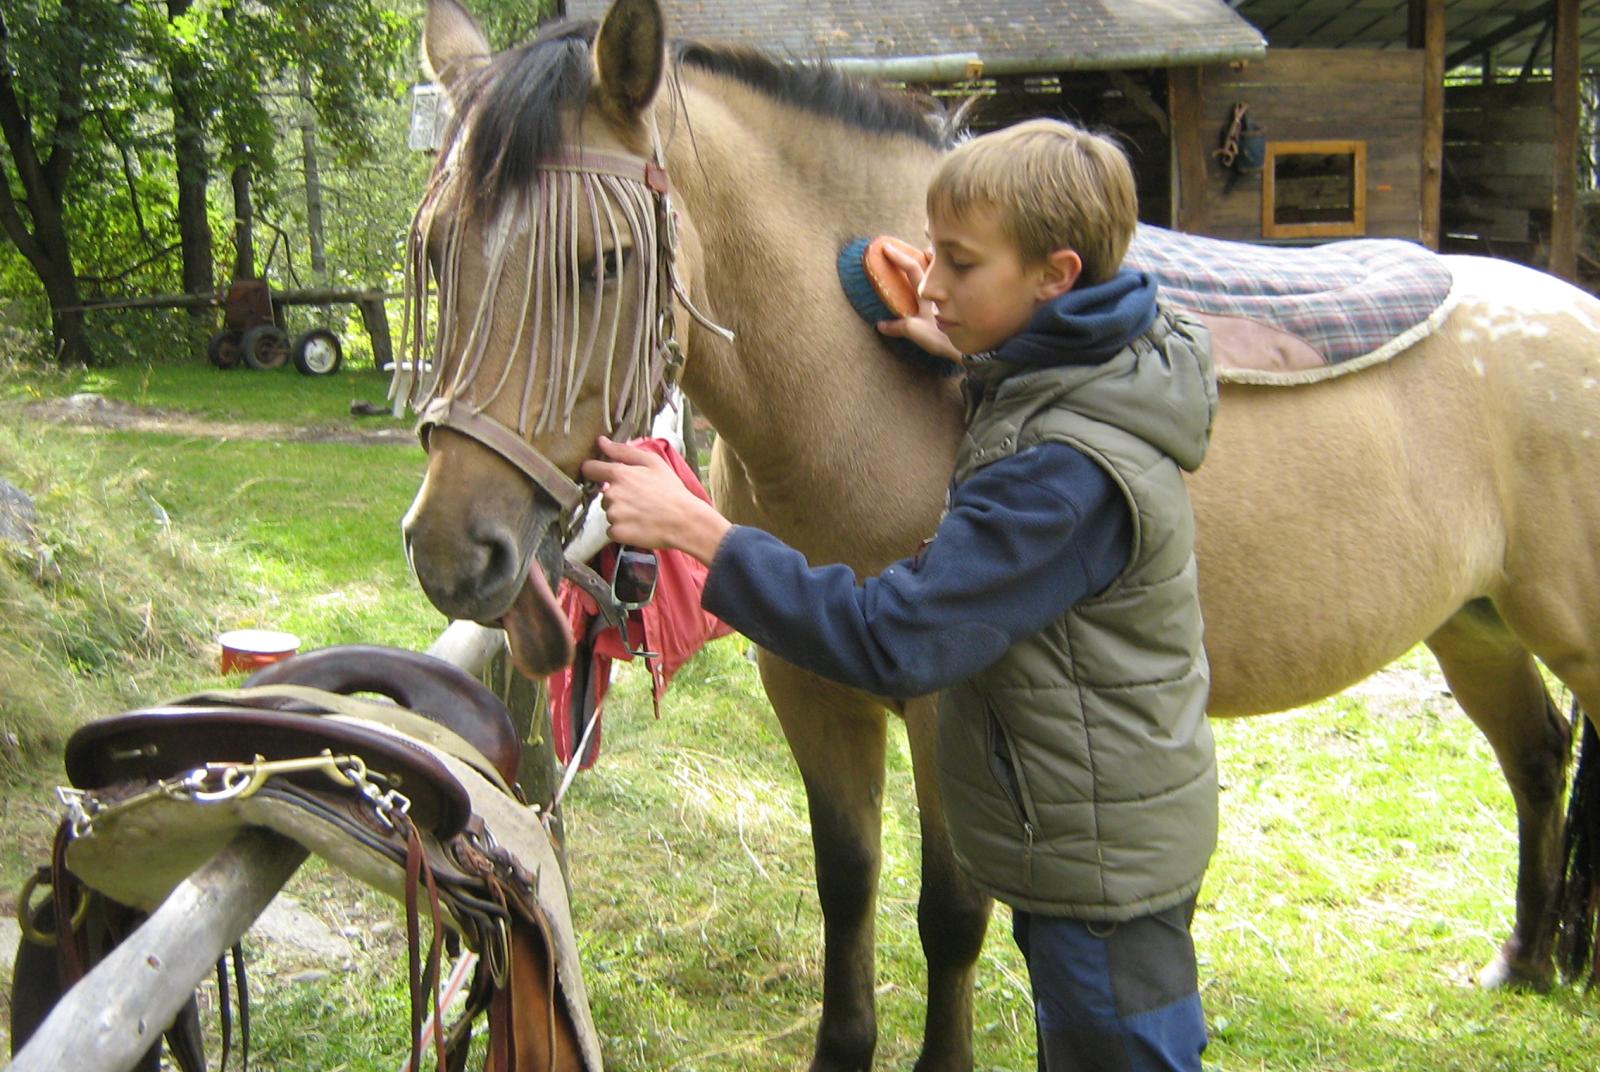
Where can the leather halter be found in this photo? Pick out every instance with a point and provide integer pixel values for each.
(463, 417)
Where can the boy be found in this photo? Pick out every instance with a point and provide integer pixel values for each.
(1056, 604)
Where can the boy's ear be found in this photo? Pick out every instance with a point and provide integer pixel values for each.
(1059, 274)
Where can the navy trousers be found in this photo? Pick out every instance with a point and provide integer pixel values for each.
(1114, 997)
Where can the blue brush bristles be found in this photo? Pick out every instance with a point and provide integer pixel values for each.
(870, 307)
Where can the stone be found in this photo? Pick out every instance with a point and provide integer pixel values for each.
(17, 514)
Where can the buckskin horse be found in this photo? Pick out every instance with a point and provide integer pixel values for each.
(608, 202)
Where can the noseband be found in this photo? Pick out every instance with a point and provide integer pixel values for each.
(604, 186)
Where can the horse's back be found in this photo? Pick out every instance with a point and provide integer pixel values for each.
(1341, 522)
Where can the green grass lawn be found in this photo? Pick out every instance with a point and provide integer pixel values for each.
(1364, 874)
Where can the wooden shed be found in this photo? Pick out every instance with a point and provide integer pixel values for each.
(1468, 113)
(1349, 121)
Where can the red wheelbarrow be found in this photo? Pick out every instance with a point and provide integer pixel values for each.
(252, 332)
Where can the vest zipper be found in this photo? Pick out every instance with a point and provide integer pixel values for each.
(1013, 785)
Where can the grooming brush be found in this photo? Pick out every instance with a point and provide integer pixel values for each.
(878, 290)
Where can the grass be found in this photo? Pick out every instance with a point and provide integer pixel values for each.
(1364, 873)
(281, 396)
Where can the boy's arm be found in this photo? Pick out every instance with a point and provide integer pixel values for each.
(1024, 539)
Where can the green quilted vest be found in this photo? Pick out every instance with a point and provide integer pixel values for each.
(1078, 771)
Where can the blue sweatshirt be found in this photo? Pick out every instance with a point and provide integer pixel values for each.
(1024, 539)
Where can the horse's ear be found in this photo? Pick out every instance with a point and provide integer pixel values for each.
(452, 44)
(630, 54)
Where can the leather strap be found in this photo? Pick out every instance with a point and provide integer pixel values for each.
(504, 442)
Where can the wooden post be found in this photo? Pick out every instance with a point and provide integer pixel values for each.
(1426, 31)
(482, 652)
(1563, 206)
(1189, 150)
(112, 1016)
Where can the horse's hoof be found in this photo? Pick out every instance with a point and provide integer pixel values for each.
(1501, 974)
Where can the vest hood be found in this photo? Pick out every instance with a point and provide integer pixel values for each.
(1086, 325)
(1160, 386)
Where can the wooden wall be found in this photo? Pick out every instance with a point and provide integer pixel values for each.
(1129, 105)
(1301, 95)
(1499, 153)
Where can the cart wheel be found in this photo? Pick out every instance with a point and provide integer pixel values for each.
(265, 347)
(223, 350)
(318, 353)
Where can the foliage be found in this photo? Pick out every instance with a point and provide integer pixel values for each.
(95, 78)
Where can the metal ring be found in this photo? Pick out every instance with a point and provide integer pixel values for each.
(25, 920)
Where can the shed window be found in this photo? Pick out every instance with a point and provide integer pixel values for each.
(1314, 189)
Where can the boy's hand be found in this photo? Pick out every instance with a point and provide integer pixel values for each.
(921, 328)
(648, 506)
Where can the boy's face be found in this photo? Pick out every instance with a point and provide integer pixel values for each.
(981, 290)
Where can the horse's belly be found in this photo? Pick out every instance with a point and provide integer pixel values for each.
(1329, 543)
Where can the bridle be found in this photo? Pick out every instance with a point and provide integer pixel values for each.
(607, 185)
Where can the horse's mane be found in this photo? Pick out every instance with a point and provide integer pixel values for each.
(512, 108)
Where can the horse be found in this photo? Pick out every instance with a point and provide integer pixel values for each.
(602, 182)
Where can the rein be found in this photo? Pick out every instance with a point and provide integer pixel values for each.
(616, 193)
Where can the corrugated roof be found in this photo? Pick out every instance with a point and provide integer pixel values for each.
(1007, 36)
(1382, 24)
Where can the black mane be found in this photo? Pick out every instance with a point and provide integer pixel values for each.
(514, 105)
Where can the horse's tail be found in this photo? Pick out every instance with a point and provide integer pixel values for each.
(1578, 897)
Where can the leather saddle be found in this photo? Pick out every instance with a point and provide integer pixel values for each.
(413, 793)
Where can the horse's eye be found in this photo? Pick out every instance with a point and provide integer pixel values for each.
(609, 266)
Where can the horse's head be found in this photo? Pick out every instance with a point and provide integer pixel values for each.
(547, 239)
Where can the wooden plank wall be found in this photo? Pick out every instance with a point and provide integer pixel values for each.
(1302, 95)
(1499, 161)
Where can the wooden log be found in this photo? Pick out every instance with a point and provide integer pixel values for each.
(299, 296)
(468, 645)
(110, 1018)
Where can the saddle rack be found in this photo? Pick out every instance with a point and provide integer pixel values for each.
(197, 812)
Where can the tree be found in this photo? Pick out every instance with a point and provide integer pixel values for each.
(42, 124)
(84, 85)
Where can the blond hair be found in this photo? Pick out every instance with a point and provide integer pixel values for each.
(1054, 186)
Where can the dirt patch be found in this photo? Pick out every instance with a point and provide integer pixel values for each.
(97, 411)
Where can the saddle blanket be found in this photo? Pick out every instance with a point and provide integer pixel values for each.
(1290, 315)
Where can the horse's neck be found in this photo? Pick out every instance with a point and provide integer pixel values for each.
(830, 430)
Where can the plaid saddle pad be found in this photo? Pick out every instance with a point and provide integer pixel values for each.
(1293, 314)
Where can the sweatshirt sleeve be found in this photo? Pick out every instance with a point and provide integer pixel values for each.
(1023, 540)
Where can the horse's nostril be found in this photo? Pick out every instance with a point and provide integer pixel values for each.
(500, 558)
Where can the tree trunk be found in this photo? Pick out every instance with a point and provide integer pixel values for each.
(44, 182)
(308, 142)
(244, 222)
(193, 169)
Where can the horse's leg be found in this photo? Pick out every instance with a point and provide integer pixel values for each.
(952, 915)
(838, 736)
(1497, 683)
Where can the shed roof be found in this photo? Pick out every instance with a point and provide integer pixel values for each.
(1006, 36)
(1510, 27)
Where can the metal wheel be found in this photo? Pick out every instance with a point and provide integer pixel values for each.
(224, 351)
(318, 352)
(265, 347)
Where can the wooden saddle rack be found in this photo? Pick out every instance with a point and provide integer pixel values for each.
(413, 794)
